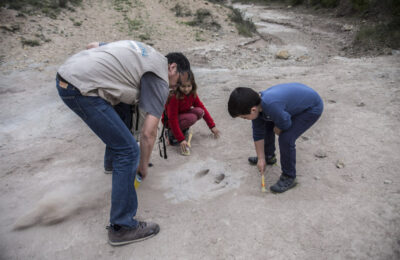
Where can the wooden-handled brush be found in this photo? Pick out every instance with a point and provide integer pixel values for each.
(190, 138)
(263, 183)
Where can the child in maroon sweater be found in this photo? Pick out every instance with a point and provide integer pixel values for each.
(183, 109)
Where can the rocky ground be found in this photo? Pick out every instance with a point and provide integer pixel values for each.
(346, 205)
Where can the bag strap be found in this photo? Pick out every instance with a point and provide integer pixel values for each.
(161, 139)
(137, 118)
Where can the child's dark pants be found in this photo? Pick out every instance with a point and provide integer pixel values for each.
(287, 140)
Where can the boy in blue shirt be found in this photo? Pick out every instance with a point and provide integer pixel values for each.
(286, 110)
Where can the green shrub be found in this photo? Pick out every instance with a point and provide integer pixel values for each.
(30, 42)
(360, 5)
(133, 24)
(203, 18)
(201, 14)
(144, 37)
(181, 11)
(245, 27)
(49, 8)
(379, 36)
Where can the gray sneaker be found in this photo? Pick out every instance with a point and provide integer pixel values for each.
(284, 183)
(124, 235)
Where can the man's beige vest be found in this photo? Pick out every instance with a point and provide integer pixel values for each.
(113, 71)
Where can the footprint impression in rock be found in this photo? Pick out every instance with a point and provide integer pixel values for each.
(217, 179)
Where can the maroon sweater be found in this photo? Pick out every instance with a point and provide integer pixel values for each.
(175, 106)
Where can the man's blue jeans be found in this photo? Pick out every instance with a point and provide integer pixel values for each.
(287, 140)
(124, 112)
(105, 122)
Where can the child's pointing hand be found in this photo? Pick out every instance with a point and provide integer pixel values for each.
(215, 131)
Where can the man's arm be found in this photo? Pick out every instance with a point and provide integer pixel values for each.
(261, 164)
(147, 140)
(95, 45)
(258, 126)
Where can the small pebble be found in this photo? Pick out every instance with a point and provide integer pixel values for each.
(284, 55)
(339, 164)
(387, 182)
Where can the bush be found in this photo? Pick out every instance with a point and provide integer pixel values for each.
(30, 42)
(50, 8)
(203, 18)
(379, 36)
(245, 27)
(181, 11)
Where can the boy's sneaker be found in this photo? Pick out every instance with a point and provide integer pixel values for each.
(284, 183)
(253, 160)
(119, 235)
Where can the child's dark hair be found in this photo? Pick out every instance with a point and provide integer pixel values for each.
(183, 64)
(180, 94)
(242, 100)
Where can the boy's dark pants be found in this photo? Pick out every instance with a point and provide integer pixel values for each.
(287, 140)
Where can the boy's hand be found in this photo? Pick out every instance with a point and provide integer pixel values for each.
(277, 131)
(184, 145)
(143, 171)
(215, 131)
(261, 164)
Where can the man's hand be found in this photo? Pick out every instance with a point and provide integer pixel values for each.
(92, 45)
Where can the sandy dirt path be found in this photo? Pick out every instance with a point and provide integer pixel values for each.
(347, 202)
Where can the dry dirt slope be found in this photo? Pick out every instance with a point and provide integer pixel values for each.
(51, 165)
(154, 22)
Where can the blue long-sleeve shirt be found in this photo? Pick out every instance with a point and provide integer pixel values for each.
(280, 102)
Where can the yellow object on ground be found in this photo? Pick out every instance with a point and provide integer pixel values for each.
(187, 152)
(190, 138)
(138, 180)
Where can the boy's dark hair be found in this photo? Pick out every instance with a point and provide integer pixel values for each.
(242, 100)
(183, 64)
